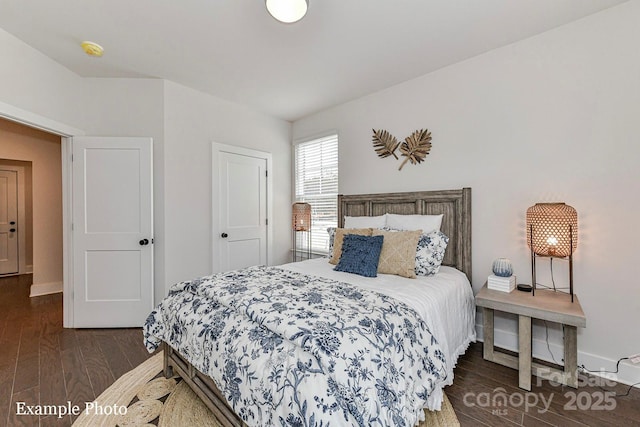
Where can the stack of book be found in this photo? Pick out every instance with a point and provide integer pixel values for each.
(503, 284)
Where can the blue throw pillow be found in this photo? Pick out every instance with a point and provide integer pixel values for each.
(360, 255)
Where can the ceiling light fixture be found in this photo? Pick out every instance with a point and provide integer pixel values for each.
(287, 11)
(92, 49)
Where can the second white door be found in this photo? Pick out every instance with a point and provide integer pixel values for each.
(242, 206)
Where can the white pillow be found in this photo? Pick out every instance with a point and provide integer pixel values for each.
(365, 221)
(426, 223)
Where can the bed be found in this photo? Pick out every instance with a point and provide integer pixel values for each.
(438, 310)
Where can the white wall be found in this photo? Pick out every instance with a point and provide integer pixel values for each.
(182, 122)
(31, 81)
(551, 118)
(100, 107)
(193, 120)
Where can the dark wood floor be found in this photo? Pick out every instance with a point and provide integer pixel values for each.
(42, 363)
(478, 383)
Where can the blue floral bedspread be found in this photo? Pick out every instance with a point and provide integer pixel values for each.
(288, 349)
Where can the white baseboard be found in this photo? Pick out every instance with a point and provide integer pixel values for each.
(39, 289)
(28, 269)
(628, 374)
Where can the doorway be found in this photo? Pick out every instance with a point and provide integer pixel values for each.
(34, 156)
(63, 134)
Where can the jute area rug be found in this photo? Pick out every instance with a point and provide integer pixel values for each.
(153, 400)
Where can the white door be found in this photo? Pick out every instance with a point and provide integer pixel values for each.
(242, 206)
(112, 231)
(8, 222)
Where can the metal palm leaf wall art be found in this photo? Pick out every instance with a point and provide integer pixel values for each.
(414, 148)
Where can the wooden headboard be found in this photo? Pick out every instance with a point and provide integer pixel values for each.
(454, 204)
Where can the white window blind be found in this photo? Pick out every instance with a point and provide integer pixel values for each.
(316, 176)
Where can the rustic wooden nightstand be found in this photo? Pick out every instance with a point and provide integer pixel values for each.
(546, 305)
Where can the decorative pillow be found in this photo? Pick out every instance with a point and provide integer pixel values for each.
(426, 223)
(398, 255)
(365, 221)
(337, 240)
(430, 253)
(332, 236)
(360, 255)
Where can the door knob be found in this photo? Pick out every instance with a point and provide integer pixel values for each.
(144, 242)
(12, 230)
(224, 235)
(12, 223)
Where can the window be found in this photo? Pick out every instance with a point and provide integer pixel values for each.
(316, 183)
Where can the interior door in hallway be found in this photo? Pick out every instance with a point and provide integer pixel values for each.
(112, 231)
(8, 222)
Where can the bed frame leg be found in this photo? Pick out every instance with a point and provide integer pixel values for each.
(168, 369)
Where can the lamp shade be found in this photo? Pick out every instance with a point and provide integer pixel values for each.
(287, 11)
(552, 229)
(301, 216)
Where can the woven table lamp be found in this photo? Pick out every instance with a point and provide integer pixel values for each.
(552, 231)
(301, 221)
